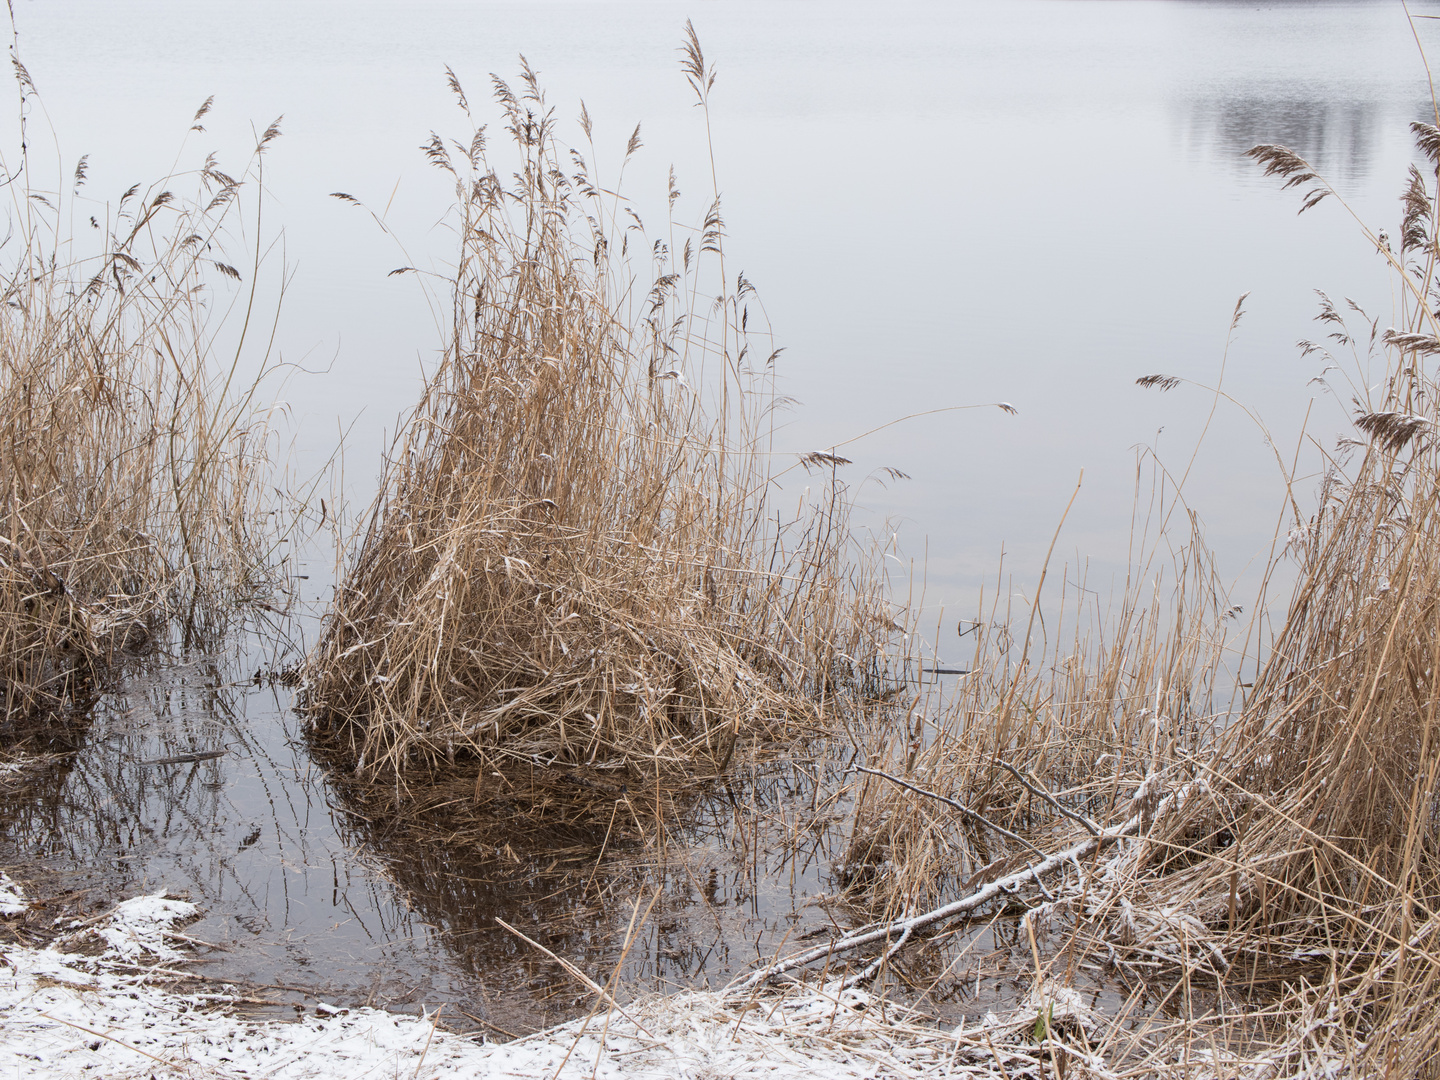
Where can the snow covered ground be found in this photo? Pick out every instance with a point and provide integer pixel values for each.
(57, 1020)
(63, 1014)
(12, 901)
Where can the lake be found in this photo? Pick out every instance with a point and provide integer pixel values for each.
(942, 204)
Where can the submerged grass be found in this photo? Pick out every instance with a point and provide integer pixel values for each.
(130, 453)
(575, 559)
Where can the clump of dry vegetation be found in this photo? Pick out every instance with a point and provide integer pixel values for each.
(130, 453)
(575, 559)
(1265, 868)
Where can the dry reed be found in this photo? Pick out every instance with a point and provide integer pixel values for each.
(130, 453)
(574, 559)
(1281, 893)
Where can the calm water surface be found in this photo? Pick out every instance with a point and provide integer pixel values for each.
(941, 203)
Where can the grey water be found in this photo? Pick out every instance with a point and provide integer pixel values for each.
(305, 899)
(942, 204)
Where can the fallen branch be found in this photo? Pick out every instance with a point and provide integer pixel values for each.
(1089, 826)
(979, 897)
(862, 977)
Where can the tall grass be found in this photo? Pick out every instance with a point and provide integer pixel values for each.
(130, 452)
(575, 557)
(1281, 893)
(1128, 690)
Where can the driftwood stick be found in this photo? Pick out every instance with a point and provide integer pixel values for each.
(1081, 819)
(870, 972)
(955, 804)
(859, 939)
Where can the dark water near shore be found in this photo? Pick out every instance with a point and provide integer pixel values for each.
(942, 203)
(305, 900)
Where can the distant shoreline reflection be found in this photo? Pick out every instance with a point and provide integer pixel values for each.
(1340, 137)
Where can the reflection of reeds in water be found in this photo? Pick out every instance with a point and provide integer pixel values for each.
(125, 792)
(574, 561)
(140, 802)
(1286, 874)
(1335, 131)
(128, 452)
(744, 870)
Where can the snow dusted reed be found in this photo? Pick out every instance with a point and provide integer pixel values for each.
(1281, 893)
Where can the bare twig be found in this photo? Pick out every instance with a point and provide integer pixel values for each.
(953, 804)
(966, 904)
(1090, 826)
(580, 976)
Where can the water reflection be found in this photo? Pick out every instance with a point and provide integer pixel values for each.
(190, 777)
(1340, 136)
(185, 779)
(742, 869)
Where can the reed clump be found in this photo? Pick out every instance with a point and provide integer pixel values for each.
(130, 453)
(574, 559)
(1089, 711)
(1269, 869)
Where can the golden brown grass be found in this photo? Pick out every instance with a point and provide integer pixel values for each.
(129, 451)
(575, 558)
(1281, 894)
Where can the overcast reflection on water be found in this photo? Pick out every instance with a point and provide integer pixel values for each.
(1337, 137)
(941, 204)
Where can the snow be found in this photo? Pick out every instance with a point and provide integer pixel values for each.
(12, 899)
(63, 1015)
(139, 926)
(66, 1016)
